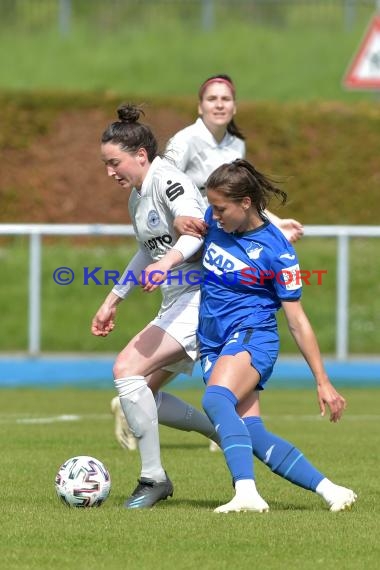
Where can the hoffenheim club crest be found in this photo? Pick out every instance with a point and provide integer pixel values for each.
(254, 250)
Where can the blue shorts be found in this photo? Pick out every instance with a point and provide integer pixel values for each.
(262, 345)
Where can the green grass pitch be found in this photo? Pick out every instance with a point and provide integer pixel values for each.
(42, 428)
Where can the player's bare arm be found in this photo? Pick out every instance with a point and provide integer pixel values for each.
(305, 338)
(104, 320)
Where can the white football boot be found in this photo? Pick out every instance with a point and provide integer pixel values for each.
(123, 433)
(341, 500)
(337, 498)
(246, 499)
(242, 505)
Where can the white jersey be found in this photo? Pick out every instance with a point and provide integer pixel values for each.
(195, 151)
(165, 194)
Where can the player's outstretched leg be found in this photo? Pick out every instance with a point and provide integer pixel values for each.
(176, 413)
(123, 432)
(172, 412)
(289, 462)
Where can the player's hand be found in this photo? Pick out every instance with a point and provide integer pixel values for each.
(104, 321)
(328, 396)
(188, 225)
(153, 276)
(291, 229)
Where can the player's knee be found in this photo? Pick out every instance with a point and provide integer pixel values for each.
(122, 368)
(118, 369)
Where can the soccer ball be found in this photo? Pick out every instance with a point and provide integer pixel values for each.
(83, 481)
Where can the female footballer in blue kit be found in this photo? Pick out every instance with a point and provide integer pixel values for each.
(250, 271)
(238, 333)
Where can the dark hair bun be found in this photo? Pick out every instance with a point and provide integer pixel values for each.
(129, 113)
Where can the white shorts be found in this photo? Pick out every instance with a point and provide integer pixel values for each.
(180, 320)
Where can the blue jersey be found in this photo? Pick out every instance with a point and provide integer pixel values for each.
(244, 279)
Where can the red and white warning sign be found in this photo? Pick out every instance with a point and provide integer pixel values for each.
(364, 70)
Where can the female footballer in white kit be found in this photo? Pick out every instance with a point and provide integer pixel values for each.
(159, 192)
(215, 139)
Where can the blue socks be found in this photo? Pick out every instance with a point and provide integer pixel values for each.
(220, 405)
(240, 438)
(281, 456)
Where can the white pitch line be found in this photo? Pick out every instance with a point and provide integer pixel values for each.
(49, 420)
(27, 419)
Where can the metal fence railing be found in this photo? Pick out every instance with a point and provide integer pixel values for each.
(37, 231)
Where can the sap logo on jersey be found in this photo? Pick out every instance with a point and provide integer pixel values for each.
(219, 261)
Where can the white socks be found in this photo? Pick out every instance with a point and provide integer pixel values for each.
(245, 487)
(140, 410)
(324, 488)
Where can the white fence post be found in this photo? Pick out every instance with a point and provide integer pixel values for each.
(34, 324)
(208, 15)
(64, 17)
(342, 297)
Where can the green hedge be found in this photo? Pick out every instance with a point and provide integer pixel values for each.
(326, 154)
